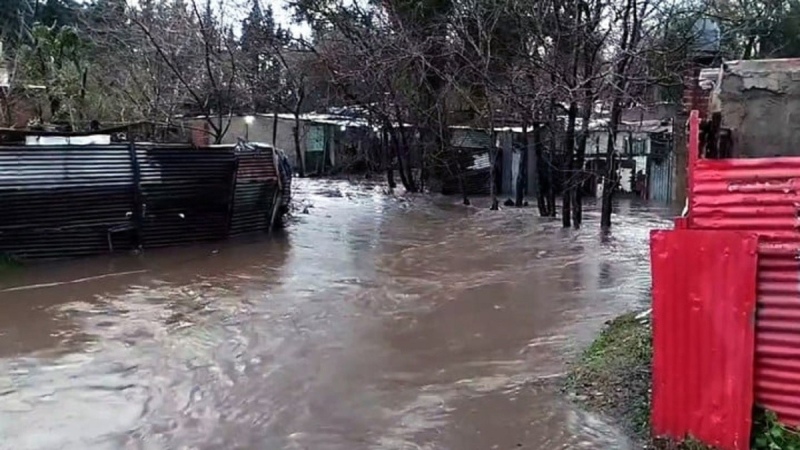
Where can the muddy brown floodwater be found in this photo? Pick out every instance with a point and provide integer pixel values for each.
(372, 322)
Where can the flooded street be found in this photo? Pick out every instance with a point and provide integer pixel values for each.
(372, 322)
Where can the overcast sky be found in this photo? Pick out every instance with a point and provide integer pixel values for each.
(284, 17)
(279, 9)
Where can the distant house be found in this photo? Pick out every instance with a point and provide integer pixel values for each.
(645, 154)
(643, 148)
(328, 142)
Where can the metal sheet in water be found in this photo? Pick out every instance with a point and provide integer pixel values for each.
(704, 297)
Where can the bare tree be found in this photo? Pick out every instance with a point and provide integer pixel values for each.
(204, 62)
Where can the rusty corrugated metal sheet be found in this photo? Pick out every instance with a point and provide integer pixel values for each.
(704, 285)
(257, 190)
(65, 201)
(762, 195)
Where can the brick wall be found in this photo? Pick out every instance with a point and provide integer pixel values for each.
(695, 97)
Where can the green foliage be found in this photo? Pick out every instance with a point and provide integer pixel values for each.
(264, 73)
(770, 434)
(55, 59)
(17, 17)
(613, 377)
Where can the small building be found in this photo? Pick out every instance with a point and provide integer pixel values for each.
(644, 149)
(328, 142)
(475, 144)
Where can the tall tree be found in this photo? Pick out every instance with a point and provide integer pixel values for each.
(261, 67)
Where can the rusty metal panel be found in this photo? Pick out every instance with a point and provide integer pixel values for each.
(704, 296)
(761, 195)
(257, 190)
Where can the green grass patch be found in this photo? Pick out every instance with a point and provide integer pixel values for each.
(613, 377)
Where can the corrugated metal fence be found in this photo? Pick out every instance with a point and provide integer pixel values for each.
(256, 192)
(704, 295)
(66, 201)
(760, 196)
(62, 201)
(185, 194)
(659, 172)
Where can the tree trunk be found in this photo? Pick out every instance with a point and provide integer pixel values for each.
(403, 165)
(275, 130)
(679, 147)
(580, 158)
(387, 159)
(569, 150)
(396, 151)
(522, 170)
(541, 175)
(493, 155)
(610, 182)
(552, 180)
(609, 185)
(301, 165)
(631, 23)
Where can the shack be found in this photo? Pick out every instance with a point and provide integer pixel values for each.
(645, 158)
(66, 196)
(328, 142)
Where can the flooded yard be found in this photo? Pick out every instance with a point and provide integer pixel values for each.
(372, 322)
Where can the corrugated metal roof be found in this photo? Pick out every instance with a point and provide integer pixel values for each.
(762, 195)
(471, 138)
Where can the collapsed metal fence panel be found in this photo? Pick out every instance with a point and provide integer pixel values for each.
(67, 201)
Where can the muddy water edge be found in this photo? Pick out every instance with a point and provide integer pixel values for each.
(374, 321)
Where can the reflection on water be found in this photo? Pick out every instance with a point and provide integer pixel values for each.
(373, 321)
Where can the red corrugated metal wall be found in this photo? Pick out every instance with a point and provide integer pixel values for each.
(704, 296)
(762, 196)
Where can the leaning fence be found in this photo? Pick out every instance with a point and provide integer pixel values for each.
(67, 201)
